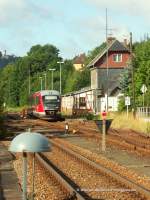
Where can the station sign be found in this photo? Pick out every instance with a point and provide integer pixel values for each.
(127, 101)
(143, 88)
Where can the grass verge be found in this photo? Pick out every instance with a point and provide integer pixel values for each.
(121, 121)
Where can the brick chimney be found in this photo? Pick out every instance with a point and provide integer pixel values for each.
(110, 39)
(125, 42)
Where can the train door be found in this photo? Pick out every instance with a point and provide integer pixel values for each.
(39, 105)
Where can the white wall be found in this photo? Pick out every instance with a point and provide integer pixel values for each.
(93, 104)
(112, 103)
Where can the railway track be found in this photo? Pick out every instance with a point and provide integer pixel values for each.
(69, 187)
(128, 188)
(125, 181)
(139, 140)
(128, 140)
(73, 192)
(132, 142)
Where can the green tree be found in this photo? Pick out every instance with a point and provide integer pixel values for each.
(125, 80)
(142, 70)
(93, 53)
(14, 83)
(40, 57)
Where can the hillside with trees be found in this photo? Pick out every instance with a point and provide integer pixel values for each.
(6, 59)
(15, 77)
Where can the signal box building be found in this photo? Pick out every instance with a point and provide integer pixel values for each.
(106, 69)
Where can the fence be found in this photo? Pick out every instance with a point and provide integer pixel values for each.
(143, 111)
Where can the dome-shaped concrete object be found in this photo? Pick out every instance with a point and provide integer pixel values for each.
(30, 142)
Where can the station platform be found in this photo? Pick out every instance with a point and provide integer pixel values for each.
(9, 188)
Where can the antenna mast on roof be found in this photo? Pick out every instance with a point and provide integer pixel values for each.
(107, 62)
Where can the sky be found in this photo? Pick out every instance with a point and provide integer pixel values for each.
(73, 26)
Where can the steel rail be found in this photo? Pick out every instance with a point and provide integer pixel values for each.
(143, 145)
(134, 144)
(74, 194)
(125, 181)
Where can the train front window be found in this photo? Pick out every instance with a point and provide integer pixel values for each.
(50, 100)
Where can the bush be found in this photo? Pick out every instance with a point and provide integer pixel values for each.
(90, 116)
(121, 106)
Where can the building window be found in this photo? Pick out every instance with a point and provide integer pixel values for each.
(117, 57)
(82, 101)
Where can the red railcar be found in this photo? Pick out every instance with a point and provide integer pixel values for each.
(45, 104)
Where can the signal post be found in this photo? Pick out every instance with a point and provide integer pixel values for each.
(104, 114)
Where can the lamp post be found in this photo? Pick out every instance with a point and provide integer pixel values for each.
(52, 70)
(60, 62)
(41, 82)
(133, 76)
(26, 143)
(45, 79)
(107, 72)
(29, 81)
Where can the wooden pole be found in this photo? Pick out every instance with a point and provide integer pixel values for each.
(24, 183)
(104, 136)
(133, 82)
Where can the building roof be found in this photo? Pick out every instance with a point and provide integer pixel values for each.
(47, 92)
(79, 59)
(82, 90)
(115, 45)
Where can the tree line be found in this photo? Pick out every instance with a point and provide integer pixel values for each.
(22, 78)
(16, 77)
(141, 67)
